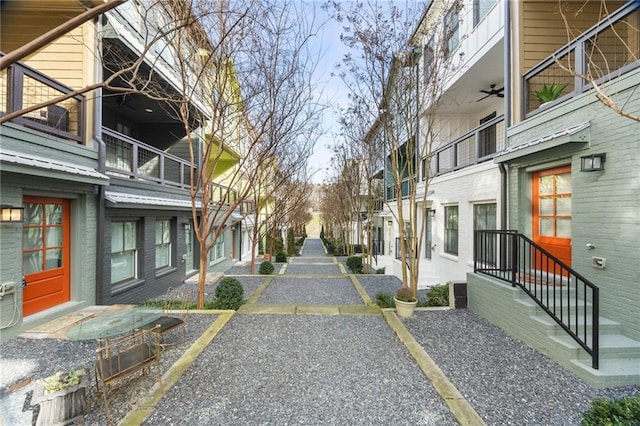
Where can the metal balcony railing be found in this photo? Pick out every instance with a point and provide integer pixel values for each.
(606, 51)
(565, 295)
(129, 158)
(22, 87)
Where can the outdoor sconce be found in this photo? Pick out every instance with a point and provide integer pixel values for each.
(12, 214)
(592, 163)
(432, 213)
(186, 226)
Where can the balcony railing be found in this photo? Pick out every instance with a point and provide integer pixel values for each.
(475, 146)
(606, 51)
(22, 87)
(567, 297)
(132, 159)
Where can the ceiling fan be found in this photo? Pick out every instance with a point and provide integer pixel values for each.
(492, 92)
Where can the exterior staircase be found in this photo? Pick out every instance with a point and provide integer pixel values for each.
(522, 318)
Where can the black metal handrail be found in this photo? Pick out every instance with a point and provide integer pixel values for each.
(561, 292)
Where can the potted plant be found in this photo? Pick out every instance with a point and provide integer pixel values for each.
(549, 93)
(405, 302)
(61, 397)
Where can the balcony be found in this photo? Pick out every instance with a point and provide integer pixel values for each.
(22, 87)
(131, 159)
(606, 51)
(475, 146)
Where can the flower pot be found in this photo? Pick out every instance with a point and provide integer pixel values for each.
(405, 309)
(60, 407)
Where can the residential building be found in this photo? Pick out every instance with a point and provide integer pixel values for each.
(564, 274)
(103, 177)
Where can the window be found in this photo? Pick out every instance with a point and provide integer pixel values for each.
(480, 9)
(484, 218)
(451, 229)
(428, 57)
(452, 29)
(124, 251)
(163, 243)
(428, 239)
(217, 251)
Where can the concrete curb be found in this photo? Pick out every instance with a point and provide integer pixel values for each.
(459, 406)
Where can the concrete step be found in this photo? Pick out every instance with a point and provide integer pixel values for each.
(611, 346)
(552, 328)
(533, 309)
(611, 372)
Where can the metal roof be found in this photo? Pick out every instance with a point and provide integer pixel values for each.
(120, 199)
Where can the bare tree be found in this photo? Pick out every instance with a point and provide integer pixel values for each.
(399, 98)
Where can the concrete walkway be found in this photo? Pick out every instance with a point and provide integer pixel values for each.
(308, 347)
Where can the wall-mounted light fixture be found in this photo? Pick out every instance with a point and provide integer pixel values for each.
(12, 214)
(186, 226)
(432, 213)
(592, 163)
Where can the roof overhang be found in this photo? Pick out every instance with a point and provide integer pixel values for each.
(33, 165)
(124, 200)
(578, 133)
(222, 157)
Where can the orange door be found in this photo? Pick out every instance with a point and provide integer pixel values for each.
(45, 253)
(552, 212)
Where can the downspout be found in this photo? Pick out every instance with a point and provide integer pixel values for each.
(507, 111)
(102, 155)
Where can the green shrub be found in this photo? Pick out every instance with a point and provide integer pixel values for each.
(278, 245)
(624, 412)
(438, 295)
(380, 271)
(385, 300)
(266, 268)
(291, 246)
(281, 257)
(322, 232)
(404, 294)
(229, 294)
(354, 263)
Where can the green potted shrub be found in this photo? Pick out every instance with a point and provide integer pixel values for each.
(549, 93)
(405, 302)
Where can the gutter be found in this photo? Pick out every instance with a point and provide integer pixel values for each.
(102, 155)
(507, 111)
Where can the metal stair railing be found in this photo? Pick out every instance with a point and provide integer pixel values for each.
(560, 291)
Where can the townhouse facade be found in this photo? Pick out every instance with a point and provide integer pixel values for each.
(533, 201)
(102, 178)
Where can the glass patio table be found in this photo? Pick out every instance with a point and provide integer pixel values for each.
(113, 323)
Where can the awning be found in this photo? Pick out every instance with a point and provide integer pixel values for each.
(574, 134)
(124, 200)
(33, 165)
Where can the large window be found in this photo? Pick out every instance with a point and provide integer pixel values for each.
(124, 251)
(451, 229)
(217, 251)
(484, 218)
(480, 9)
(163, 243)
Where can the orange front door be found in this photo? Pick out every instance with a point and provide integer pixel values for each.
(45, 253)
(552, 212)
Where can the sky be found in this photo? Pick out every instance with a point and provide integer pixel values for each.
(333, 90)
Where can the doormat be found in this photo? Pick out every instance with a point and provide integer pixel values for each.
(60, 323)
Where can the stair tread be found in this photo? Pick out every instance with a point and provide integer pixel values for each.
(547, 320)
(613, 366)
(606, 341)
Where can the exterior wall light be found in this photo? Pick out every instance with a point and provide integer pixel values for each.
(12, 214)
(186, 226)
(592, 163)
(432, 213)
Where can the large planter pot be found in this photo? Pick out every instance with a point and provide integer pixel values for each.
(60, 407)
(405, 309)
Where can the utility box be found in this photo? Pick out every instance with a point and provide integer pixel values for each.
(458, 294)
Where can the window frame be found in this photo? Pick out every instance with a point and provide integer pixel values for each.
(428, 234)
(452, 29)
(451, 229)
(135, 251)
(166, 225)
(490, 245)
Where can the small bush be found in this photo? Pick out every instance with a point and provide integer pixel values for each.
(438, 295)
(281, 257)
(404, 294)
(624, 411)
(229, 294)
(385, 300)
(354, 263)
(266, 268)
(380, 271)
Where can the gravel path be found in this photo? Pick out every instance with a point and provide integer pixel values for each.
(289, 369)
(298, 269)
(506, 381)
(316, 291)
